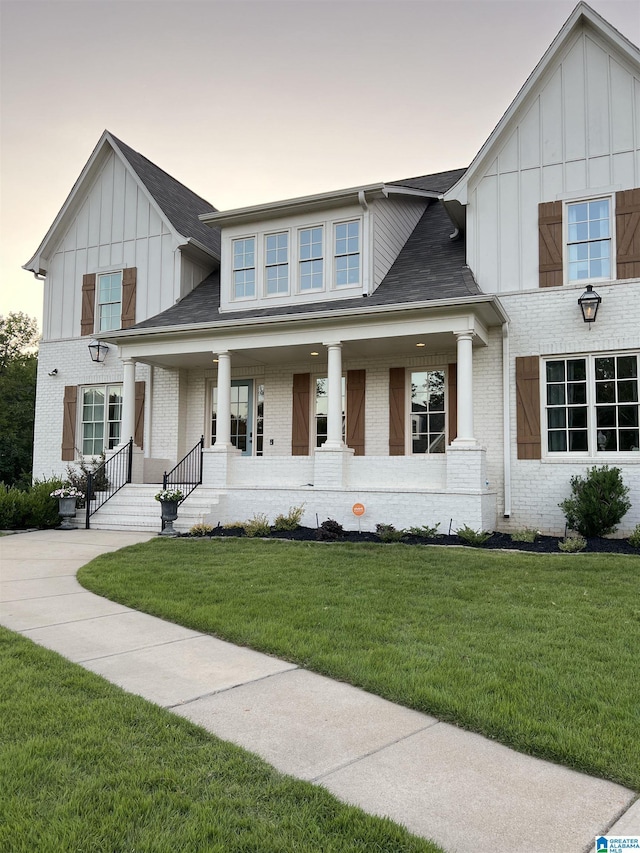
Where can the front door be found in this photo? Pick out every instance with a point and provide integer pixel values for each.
(241, 415)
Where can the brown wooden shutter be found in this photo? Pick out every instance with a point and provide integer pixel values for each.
(301, 409)
(355, 410)
(396, 411)
(88, 303)
(628, 234)
(528, 406)
(138, 435)
(69, 423)
(550, 243)
(128, 297)
(452, 384)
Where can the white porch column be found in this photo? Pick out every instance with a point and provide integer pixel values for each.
(223, 415)
(334, 398)
(128, 400)
(465, 389)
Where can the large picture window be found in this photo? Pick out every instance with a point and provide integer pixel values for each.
(427, 411)
(592, 405)
(101, 418)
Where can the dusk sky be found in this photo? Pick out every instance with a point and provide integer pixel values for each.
(247, 102)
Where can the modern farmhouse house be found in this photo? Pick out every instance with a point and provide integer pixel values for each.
(448, 348)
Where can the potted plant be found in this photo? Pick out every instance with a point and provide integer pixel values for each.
(67, 497)
(169, 500)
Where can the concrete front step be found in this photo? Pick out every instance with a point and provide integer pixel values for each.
(134, 508)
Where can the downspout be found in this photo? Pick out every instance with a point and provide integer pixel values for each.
(506, 420)
(366, 256)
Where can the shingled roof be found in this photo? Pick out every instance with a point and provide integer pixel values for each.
(430, 266)
(179, 204)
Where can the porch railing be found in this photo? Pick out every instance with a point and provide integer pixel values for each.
(187, 474)
(107, 479)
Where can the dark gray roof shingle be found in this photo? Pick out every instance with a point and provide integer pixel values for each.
(440, 182)
(179, 204)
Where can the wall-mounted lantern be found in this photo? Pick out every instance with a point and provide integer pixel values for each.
(98, 351)
(589, 303)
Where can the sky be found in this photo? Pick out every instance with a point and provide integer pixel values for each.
(251, 101)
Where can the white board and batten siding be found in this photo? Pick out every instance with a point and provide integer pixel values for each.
(116, 226)
(577, 133)
(393, 222)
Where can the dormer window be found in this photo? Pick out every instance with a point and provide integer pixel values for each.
(311, 258)
(244, 268)
(277, 263)
(347, 253)
(589, 239)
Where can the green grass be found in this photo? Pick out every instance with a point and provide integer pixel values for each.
(85, 766)
(540, 652)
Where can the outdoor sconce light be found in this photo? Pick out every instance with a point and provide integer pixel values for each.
(589, 302)
(98, 351)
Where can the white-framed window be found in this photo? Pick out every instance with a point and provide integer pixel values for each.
(589, 240)
(321, 409)
(311, 258)
(109, 301)
(347, 253)
(244, 268)
(592, 405)
(427, 414)
(101, 418)
(276, 264)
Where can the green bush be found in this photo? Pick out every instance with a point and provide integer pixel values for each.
(527, 534)
(32, 507)
(598, 502)
(329, 531)
(425, 531)
(473, 537)
(201, 530)
(634, 539)
(291, 521)
(388, 533)
(257, 526)
(572, 544)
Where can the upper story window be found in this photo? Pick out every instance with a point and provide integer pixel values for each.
(347, 253)
(277, 263)
(427, 411)
(244, 268)
(589, 239)
(592, 404)
(109, 301)
(310, 254)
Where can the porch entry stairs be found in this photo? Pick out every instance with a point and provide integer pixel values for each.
(135, 508)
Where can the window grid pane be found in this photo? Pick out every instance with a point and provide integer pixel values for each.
(244, 273)
(427, 411)
(567, 405)
(617, 410)
(101, 418)
(311, 259)
(347, 254)
(109, 301)
(277, 263)
(589, 240)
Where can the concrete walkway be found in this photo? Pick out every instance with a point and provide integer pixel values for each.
(468, 794)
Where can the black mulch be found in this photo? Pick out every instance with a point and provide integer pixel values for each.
(501, 541)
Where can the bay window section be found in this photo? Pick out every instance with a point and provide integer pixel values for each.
(311, 260)
(427, 411)
(347, 254)
(101, 418)
(244, 268)
(277, 263)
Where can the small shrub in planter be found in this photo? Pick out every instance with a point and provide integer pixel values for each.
(388, 533)
(257, 526)
(201, 530)
(527, 534)
(473, 537)
(572, 544)
(598, 503)
(291, 521)
(425, 531)
(634, 539)
(329, 531)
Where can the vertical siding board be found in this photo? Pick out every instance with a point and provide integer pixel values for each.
(550, 243)
(301, 412)
(452, 389)
(396, 411)
(528, 407)
(628, 233)
(356, 380)
(69, 423)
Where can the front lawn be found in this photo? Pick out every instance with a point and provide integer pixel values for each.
(85, 766)
(539, 652)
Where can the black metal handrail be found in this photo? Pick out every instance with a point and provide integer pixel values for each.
(108, 478)
(187, 474)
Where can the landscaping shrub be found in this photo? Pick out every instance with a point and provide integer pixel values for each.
(425, 531)
(78, 475)
(291, 521)
(527, 534)
(257, 526)
(572, 544)
(598, 502)
(201, 530)
(388, 533)
(634, 539)
(473, 537)
(31, 507)
(329, 531)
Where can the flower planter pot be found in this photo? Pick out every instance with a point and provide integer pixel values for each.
(169, 514)
(67, 511)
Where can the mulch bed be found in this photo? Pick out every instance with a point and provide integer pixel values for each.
(499, 541)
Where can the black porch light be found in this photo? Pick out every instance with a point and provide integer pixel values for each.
(98, 351)
(589, 302)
